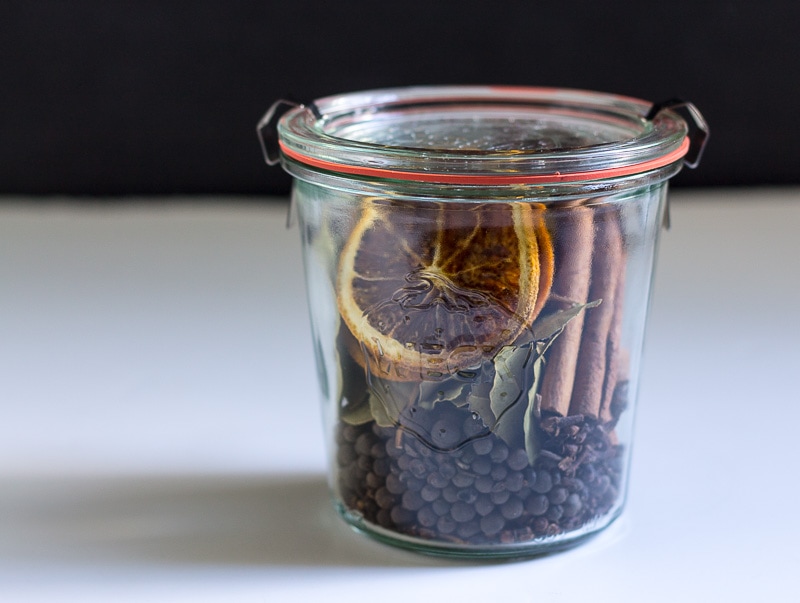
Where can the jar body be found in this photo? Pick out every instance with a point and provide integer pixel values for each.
(478, 356)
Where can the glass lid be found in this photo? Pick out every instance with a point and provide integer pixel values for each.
(482, 135)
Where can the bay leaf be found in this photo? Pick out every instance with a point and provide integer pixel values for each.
(355, 413)
(478, 401)
(387, 399)
(533, 412)
(507, 388)
(515, 401)
(451, 390)
(550, 326)
(352, 390)
(380, 413)
(508, 396)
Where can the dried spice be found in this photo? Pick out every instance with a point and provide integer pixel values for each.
(483, 492)
(517, 447)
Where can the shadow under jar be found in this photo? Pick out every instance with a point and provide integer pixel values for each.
(478, 264)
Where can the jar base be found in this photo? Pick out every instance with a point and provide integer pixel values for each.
(536, 547)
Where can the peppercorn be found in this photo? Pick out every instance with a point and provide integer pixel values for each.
(415, 480)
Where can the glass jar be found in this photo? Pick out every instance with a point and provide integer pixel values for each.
(478, 263)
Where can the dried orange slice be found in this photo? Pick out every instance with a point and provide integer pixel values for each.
(430, 290)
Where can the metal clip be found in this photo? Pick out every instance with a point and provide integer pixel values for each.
(267, 127)
(698, 128)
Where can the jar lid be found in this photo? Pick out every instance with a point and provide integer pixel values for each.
(488, 135)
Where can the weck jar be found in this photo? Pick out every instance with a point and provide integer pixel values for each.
(478, 264)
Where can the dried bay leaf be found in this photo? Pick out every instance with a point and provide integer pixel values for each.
(530, 423)
(507, 387)
(355, 413)
(508, 396)
(504, 396)
(549, 327)
(478, 401)
(380, 413)
(514, 400)
(390, 398)
(353, 393)
(451, 390)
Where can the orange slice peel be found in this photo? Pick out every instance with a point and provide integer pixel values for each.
(432, 290)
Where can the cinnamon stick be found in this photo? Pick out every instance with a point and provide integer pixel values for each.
(607, 264)
(615, 362)
(574, 235)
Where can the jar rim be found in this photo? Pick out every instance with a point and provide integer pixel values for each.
(482, 135)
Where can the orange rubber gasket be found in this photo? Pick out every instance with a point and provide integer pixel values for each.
(480, 179)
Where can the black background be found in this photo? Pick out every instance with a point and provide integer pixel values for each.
(155, 97)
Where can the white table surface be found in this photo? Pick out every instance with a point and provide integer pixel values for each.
(160, 431)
